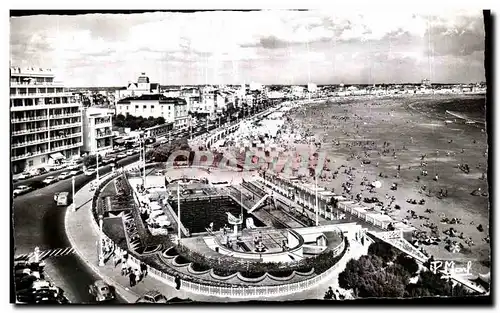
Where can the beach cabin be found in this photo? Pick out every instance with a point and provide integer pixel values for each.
(360, 212)
(343, 204)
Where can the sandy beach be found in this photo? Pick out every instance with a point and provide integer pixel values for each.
(355, 131)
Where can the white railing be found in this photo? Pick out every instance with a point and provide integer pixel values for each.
(28, 143)
(28, 131)
(39, 94)
(55, 149)
(58, 126)
(29, 119)
(233, 292)
(78, 134)
(76, 114)
(27, 155)
(36, 84)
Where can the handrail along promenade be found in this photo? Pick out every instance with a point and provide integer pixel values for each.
(209, 290)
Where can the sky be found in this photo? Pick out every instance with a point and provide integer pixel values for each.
(268, 47)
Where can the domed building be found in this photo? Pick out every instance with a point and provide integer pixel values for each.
(141, 87)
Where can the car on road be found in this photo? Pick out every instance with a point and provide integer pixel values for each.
(74, 172)
(90, 171)
(152, 296)
(24, 175)
(22, 189)
(49, 180)
(37, 184)
(61, 198)
(57, 167)
(73, 166)
(137, 150)
(129, 152)
(63, 175)
(101, 291)
(121, 155)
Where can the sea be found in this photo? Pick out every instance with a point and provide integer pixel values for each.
(472, 107)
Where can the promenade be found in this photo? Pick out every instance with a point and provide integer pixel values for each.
(83, 235)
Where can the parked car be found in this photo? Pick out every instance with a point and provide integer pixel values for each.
(24, 175)
(49, 180)
(152, 296)
(37, 171)
(121, 155)
(63, 175)
(89, 171)
(36, 185)
(101, 291)
(19, 265)
(73, 166)
(22, 189)
(74, 172)
(129, 152)
(61, 198)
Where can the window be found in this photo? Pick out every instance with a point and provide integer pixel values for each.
(30, 163)
(144, 106)
(136, 106)
(43, 160)
(152, 107)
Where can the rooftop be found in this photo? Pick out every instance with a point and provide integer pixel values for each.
(154, 97)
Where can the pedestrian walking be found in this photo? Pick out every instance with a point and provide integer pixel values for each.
(144, 269)
(132, 279)
(177, 282)
(124, 269)
(137, 275)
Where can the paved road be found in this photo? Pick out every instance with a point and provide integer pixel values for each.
(39, 222)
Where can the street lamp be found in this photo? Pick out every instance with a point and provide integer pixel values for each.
(144, 163)
(97, 167)
(101, 243)
(73, 193)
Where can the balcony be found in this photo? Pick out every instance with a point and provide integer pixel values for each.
(44, 106)
(37, 84)
(29, 143)
(29, 131)
(103, 135)
(61, 126)
(65, 147)
(78, 134)
(40, 95)
(27, 155)
(29, 119)
(76, 114)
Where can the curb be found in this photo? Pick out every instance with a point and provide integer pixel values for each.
(124, 292)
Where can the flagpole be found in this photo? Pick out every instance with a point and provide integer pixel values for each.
(316, 192)
(178, 211)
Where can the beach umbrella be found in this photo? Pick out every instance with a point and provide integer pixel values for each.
(377, 184)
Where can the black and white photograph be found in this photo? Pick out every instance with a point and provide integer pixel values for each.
(250, 156)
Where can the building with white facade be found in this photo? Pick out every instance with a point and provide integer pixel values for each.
(192, 95)
(173, 110)
(312, 87)
(298, 91)
(212, 102)
(256, 86)
(46, 120)
(139, 88)
(97, 130)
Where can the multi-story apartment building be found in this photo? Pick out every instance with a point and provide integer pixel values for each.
(173, 110)
(46, 120)
(97, 130)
